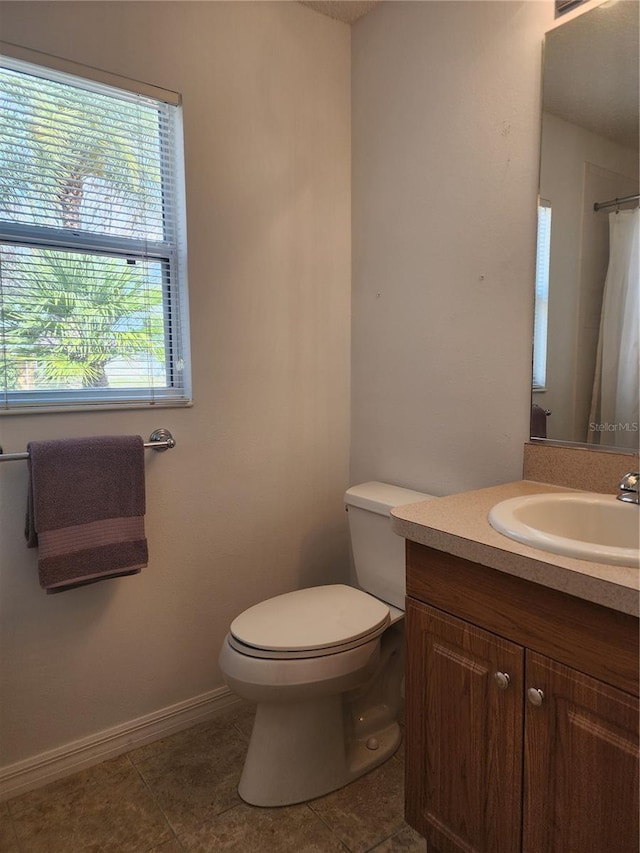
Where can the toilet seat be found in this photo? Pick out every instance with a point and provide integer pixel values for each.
(313, 622)
(269, 654)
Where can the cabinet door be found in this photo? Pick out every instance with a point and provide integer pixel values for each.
(464, 735)
(581, 763)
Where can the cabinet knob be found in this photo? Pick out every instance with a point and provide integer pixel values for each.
(501, 679)
(535, 696)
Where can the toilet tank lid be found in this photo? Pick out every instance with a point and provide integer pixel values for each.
(381, 497)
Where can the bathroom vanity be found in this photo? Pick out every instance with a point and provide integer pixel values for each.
(522, 688)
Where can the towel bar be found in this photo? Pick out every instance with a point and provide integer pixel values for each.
(159, 440)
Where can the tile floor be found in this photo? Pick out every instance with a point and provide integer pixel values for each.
(178, 795)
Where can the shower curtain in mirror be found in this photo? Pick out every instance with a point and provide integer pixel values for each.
(615, 417)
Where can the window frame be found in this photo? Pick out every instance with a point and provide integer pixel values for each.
(170, 253)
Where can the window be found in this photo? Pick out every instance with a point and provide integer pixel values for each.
(92, 247)
(541, 296)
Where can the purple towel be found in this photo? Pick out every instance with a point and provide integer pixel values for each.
(86, 509)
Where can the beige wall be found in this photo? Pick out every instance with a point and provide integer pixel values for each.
(250, 502)
(445, 152)
(446, 114)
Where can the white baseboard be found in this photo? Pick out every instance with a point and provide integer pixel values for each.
(64, 760)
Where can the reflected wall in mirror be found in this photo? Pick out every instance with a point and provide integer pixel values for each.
(586, 354)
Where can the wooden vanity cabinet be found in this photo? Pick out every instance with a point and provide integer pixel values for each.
(521, 714)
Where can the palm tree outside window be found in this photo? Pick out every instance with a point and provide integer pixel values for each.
(92, 248)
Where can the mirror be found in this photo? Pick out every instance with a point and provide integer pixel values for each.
(586, 335)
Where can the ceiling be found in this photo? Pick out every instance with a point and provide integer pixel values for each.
(581, 58)
(591, 71)
(347, 11)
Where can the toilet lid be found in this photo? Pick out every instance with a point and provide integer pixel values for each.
(317, 618)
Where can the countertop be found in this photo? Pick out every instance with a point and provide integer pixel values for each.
(458, 524)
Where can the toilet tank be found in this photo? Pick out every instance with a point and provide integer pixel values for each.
(378, 553)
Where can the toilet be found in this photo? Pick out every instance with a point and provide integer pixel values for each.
(325, 666)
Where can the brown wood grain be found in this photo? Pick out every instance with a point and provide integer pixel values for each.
(593, 639)
(468, 746)
(581, 764)
(464, 735)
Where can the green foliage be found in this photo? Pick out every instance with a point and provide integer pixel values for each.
(67, 163)
(74, 313)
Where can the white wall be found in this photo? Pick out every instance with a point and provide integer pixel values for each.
(250, 502)
(445, 123)
(578, 168)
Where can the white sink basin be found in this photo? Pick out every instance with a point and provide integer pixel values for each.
(583, 525)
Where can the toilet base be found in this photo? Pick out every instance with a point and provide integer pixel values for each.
(303, 749)
(297, 752)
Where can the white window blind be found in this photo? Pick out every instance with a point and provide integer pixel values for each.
(92, 246)
(541, 310)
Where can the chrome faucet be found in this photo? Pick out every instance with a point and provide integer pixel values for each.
(629, 488)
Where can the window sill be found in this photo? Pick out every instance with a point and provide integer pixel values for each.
(97, 407)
